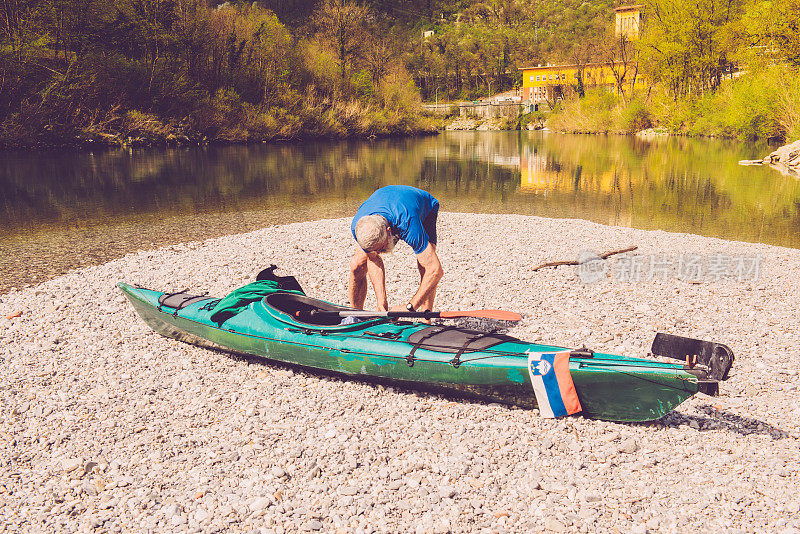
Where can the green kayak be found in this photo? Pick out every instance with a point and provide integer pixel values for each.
(609, 387)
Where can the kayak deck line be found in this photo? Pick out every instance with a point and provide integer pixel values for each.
(575, 355)
(326, 333)
(596, 359)
(298, 343)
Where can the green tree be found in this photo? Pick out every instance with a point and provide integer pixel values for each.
(771, 28)
(622, 58)
(378, 55)
(343, 23)
(685, 43)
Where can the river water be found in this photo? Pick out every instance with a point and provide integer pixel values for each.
(62, 210)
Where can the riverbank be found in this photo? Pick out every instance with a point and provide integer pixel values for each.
(346, 121)
(115, 427)
(757, 105)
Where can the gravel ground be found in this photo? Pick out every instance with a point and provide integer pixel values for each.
(107, 426)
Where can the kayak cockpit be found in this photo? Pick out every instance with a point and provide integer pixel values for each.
(299, 309)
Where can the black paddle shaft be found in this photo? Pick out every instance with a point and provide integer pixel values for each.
(366, 313)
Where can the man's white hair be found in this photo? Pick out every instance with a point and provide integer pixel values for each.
(372, 231)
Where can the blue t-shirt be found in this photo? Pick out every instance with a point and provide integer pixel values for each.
(405, 208)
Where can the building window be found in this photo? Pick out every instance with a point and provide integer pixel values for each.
(538, 78)
(531, 77)
(551, 77)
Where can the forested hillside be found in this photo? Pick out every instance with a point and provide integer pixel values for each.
(170, 70)
(237, 71)
(710, 67)
(474, 47)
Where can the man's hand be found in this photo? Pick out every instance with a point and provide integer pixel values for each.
(398, 308)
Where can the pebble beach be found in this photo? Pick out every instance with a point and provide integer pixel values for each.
(109, 427)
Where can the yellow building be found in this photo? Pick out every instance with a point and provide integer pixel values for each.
(628, 21)
(545, 84)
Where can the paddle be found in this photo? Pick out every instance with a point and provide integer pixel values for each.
(500, 315)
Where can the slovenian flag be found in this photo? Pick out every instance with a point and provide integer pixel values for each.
(552, 383)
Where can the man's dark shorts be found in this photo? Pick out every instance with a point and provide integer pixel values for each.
(429, 224)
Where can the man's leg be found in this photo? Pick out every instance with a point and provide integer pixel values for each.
(427, 301)
(377, 275)
(429, 224)
(357, 284)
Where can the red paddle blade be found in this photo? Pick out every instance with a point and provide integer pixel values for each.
(500, 315)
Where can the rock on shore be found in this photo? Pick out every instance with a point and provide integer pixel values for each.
(108, 427)
(786, 159)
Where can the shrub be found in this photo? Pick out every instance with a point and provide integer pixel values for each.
(635, 117)
(362, 86)
(746, 107)
(220, 116)
(261, 123)
(789, 104)
(764, 104)
(761, 104)
(534, 117)
(137, 124)
(590, 114)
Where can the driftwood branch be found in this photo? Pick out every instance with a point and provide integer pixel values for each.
(603, 256)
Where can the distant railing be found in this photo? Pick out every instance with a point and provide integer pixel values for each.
(479, 109)
(440, 109)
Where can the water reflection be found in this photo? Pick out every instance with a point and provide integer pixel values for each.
(679, 184)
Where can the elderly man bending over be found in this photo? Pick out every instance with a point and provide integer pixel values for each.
(392, 213)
